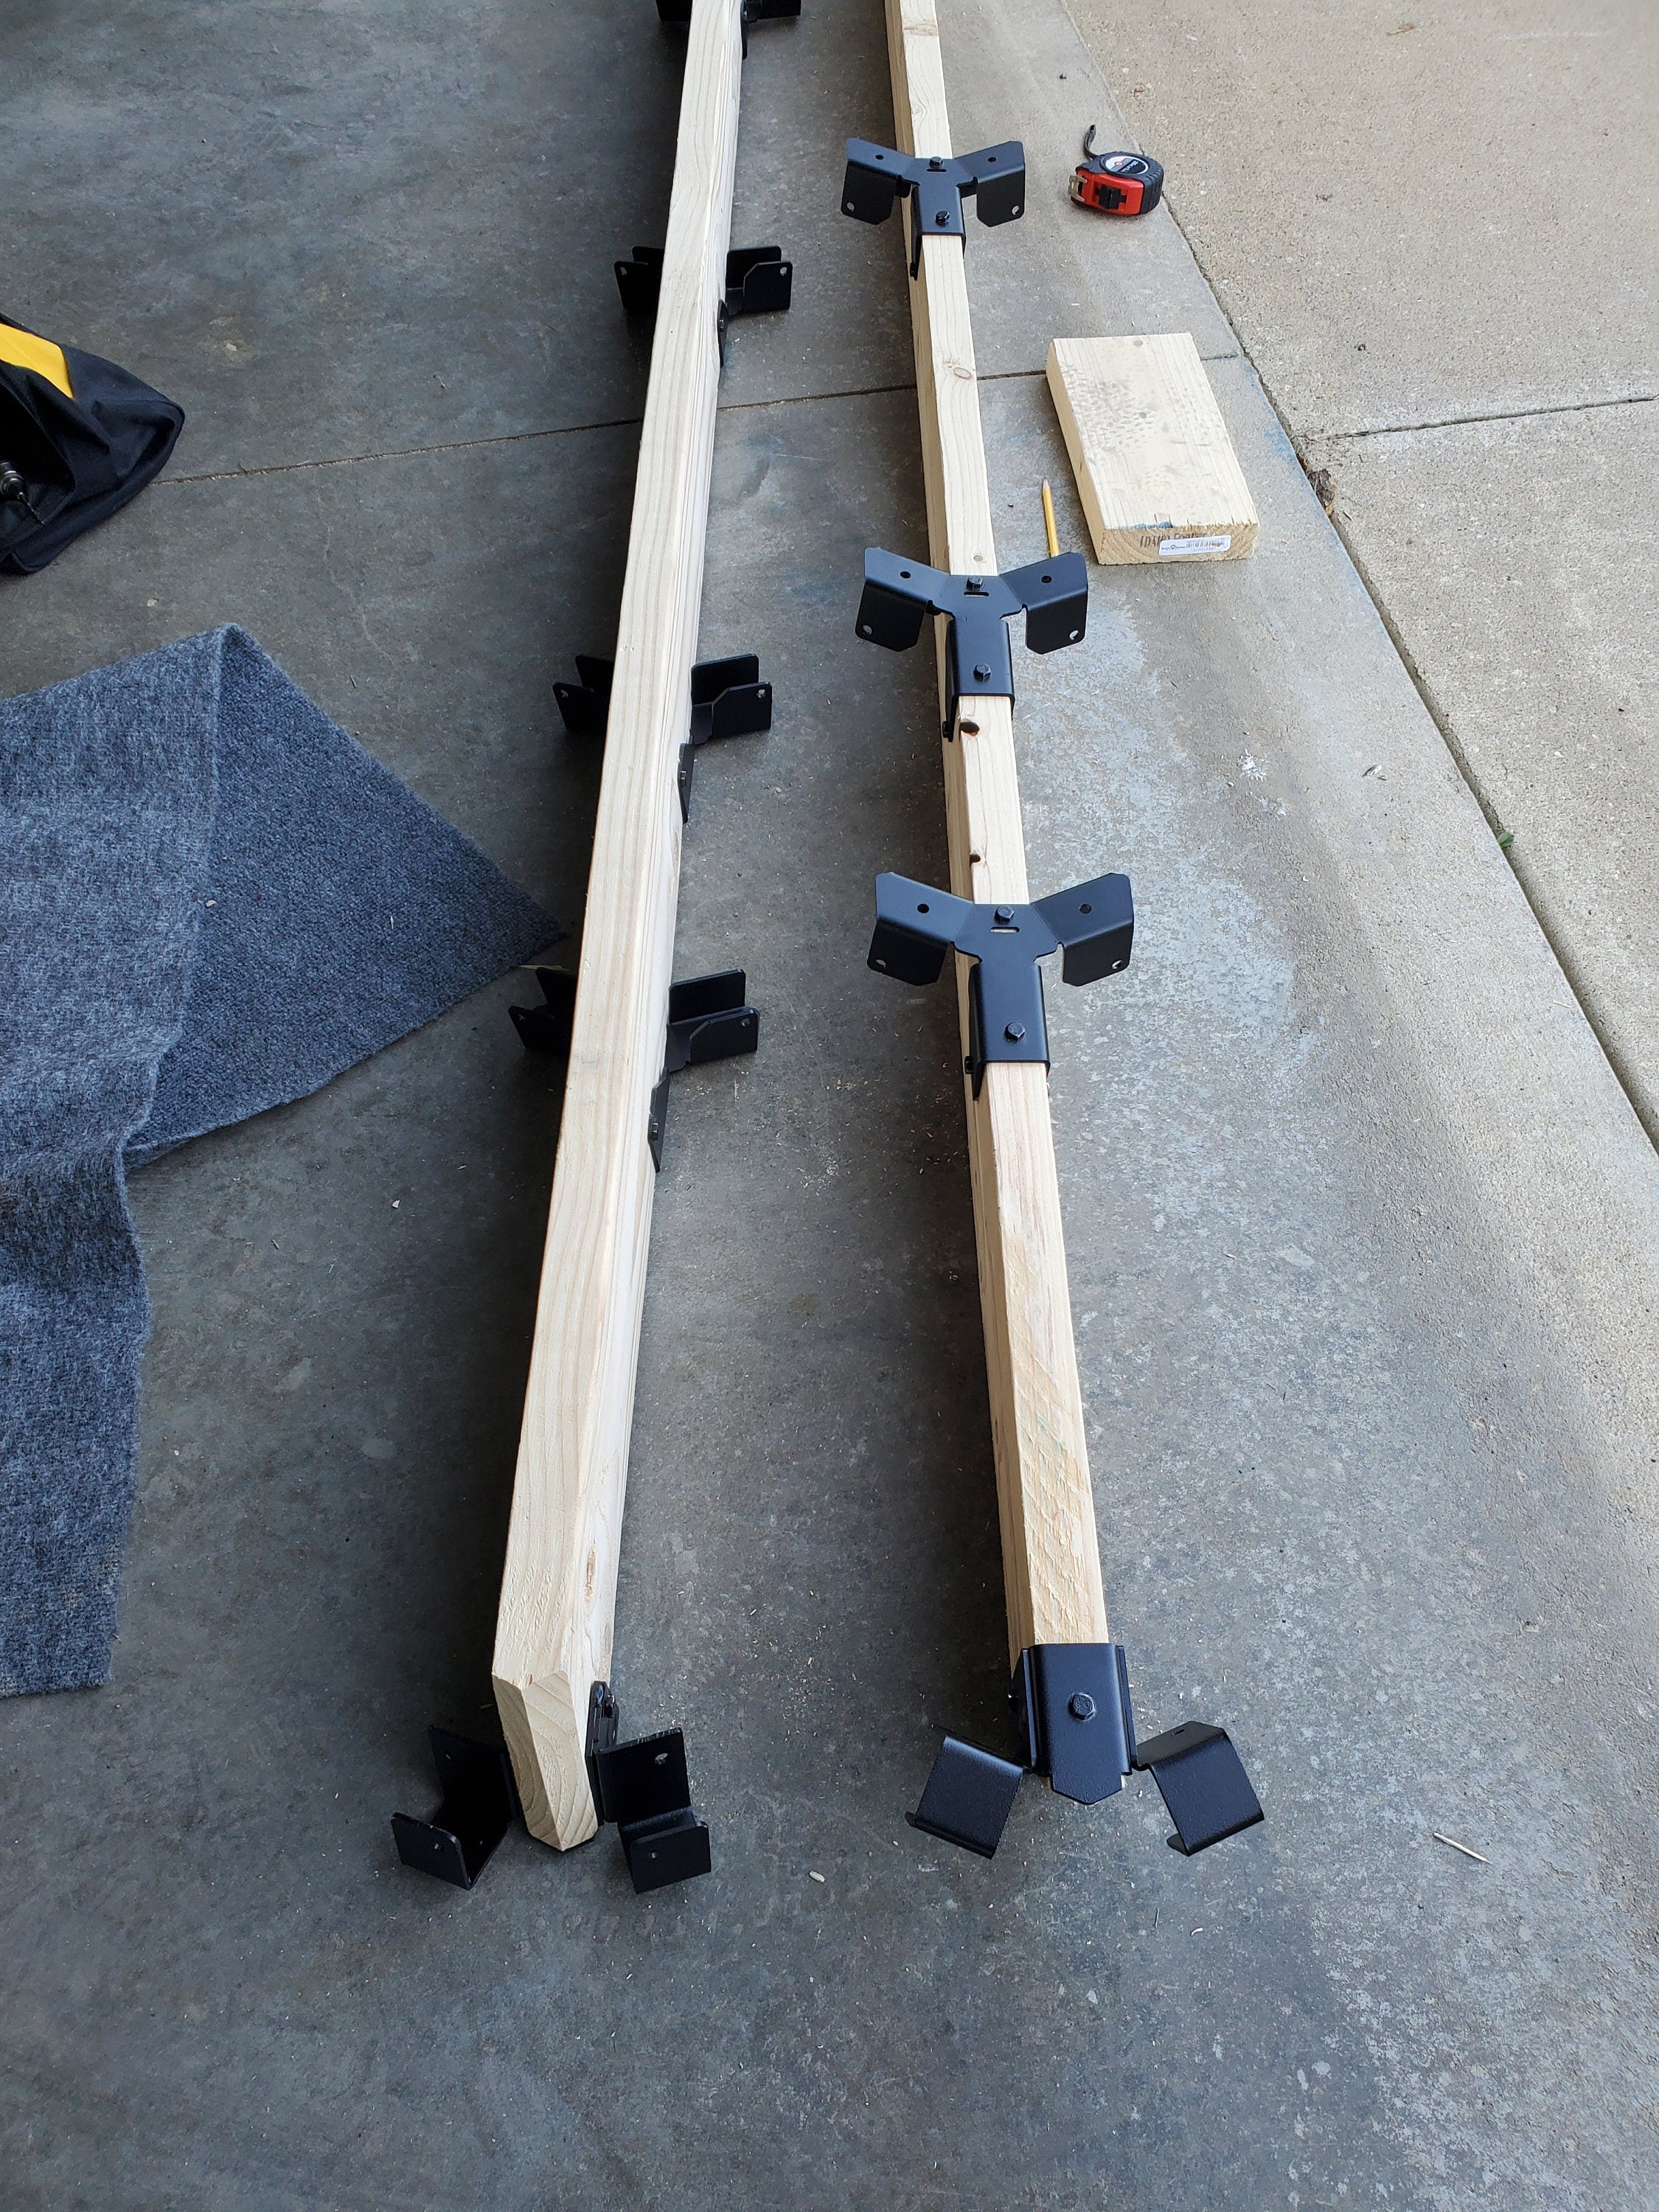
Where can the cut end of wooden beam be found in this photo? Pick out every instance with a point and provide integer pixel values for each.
(1156, 470)
(543, 1722)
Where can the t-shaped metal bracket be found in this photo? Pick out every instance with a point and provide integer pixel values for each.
(1074, 1725)
(899, 595)
(877, 175)
(1093, 924)
(707, 1020)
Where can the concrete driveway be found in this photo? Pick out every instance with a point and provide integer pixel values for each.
(1363, 1237)
(1436, 232)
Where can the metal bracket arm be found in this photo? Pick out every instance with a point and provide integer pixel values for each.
(877, 176)
(707, 1020)
(899, 595)
(1092, 924)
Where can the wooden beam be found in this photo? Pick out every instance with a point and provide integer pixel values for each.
(558, 1593)
(1050, 1551)
(1156, 470)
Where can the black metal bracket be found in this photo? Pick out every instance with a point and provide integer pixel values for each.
(644, 1788)
(1093, 924)
(479, 1802)
(1074, 1725)
(877, 176)
(758, 282)
(678, 14)
(546, 1028)
(728, 700)
(707, 1020)
(899, 595)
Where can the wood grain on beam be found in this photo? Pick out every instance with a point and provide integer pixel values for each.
(1050, 1550)
(558, 1593)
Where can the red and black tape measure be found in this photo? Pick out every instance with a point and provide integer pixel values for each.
(1116, 184)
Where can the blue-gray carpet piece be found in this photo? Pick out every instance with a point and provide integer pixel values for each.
(213, 901)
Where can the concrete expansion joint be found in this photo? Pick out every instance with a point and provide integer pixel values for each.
(1497, 415)
(1307, 445)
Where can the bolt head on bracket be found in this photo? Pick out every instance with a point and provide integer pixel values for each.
(900, 594)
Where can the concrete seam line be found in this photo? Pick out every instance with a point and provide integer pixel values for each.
(1568, 967)
(1500, 415)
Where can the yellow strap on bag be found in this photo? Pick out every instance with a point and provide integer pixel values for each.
(23, 349)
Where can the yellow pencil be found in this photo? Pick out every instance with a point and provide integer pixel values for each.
(1049, 523)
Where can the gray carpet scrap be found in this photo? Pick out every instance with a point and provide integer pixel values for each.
(214, 901)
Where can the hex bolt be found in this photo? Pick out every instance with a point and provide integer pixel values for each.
(1004, 913)
(942, 217)
(1082, 1706)
(1014, 1032)
(981, 673)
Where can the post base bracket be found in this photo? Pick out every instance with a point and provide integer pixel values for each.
(1074, 1726)
(479, 1802)
(644, 1788)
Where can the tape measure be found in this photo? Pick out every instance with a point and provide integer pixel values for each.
(1116, 184)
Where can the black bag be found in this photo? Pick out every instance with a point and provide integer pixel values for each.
(79, 438)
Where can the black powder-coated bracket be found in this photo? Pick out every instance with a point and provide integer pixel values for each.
(1093, 925)
(676, 14)
(728, 700)
(758, 282)
(644, 1788)
(899, 595)
(546, 1029)
(877, 176)
(1074, 1726)
(479, 1803)
(708, 1019)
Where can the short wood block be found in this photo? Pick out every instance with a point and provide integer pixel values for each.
(1155, 468)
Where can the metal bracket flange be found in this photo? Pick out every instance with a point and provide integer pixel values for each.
(899, 595)
(758, 282)
(644, 1788)
(878, 176)
(708, 1019)
(1074, 1725)
(677, 13)
(728, 700)
(1092, 924)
